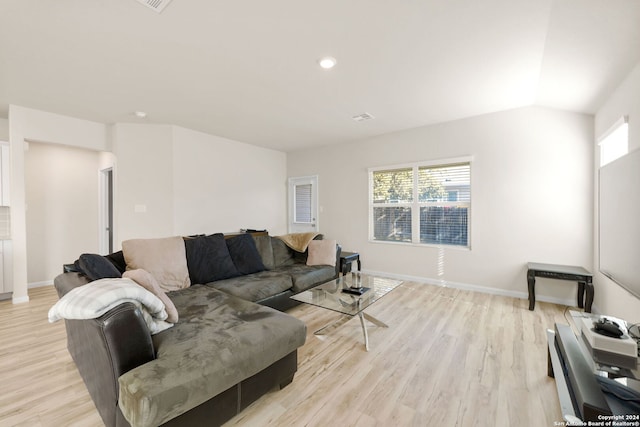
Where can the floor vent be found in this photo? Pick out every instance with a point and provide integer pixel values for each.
(157, 5)
(362, 117)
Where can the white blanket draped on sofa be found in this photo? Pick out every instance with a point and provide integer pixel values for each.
(96, 298)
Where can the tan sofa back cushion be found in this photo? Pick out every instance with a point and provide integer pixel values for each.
(164, 258)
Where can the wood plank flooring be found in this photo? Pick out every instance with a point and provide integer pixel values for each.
(449, 358)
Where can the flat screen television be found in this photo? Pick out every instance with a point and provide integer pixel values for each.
(619, 221)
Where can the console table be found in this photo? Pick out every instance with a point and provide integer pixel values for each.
(561, 272)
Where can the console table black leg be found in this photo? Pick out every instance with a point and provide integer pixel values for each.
(589, 302)
(581, 294)
(531, 281)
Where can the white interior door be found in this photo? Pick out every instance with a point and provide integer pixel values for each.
(303, 204)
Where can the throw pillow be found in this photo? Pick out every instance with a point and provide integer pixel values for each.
(164, 258)
(96, 267)
(263, 244)
(244, 254)
(322, 252)
(208, 259)
(117, 259)
(147, 281)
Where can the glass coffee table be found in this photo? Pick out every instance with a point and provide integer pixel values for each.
(331, 296)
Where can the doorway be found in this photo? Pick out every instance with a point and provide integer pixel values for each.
(106, 211)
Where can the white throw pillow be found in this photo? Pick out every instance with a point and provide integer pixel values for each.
(322, 252)
(165, 259)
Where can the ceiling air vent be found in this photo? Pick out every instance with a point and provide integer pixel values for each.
(362, 117)
(157, 5)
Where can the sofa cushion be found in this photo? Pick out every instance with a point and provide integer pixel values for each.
(164, 258)
(255, 287)
(96, 267)
(305, 276)
(322, 252)
(147, 281)
(282, 254)
(244, 254)
(219, 341)
(263, 244)
(208, 259)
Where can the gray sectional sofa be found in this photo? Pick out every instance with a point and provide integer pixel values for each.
(228, 348)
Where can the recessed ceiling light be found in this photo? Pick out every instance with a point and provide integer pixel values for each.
(327, 62)
(140, 114)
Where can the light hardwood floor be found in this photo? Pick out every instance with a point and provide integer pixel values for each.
(449, 358)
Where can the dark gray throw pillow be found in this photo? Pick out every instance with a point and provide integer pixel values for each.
(244, 254)
(117, 259)
(208, 259)
(96, 267)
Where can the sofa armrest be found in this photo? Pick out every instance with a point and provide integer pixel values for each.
(105, 348)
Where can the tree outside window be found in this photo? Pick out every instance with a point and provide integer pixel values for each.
(434, 199)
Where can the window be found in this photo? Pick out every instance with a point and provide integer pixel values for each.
(615, 142)
(421, 203)
(302, 203)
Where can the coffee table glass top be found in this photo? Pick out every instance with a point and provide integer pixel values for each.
(330, 296)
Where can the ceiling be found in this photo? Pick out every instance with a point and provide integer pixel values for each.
(247, 69)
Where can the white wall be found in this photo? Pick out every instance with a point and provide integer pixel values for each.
(531, 198)
(143, 176)
(62, 207)
(4, 129)
(624, 101)
(222, 185)
(189, 182)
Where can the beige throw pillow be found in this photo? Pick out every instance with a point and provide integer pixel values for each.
(322, 252)
(164, 258)
(147, 281)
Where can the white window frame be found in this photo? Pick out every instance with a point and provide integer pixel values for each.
(415, 205)
(614, 143)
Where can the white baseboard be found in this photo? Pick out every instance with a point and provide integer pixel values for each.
(40, 284)
(20, 300)
(474, 288)
(32, 285)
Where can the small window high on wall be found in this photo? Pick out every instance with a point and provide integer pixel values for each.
(614, 143)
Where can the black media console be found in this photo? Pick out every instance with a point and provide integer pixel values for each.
(586, 389)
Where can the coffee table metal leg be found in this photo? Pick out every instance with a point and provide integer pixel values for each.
(375, 321)
(344, 319)
(364, 330)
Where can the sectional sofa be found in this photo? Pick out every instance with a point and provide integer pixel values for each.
(229, 345)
